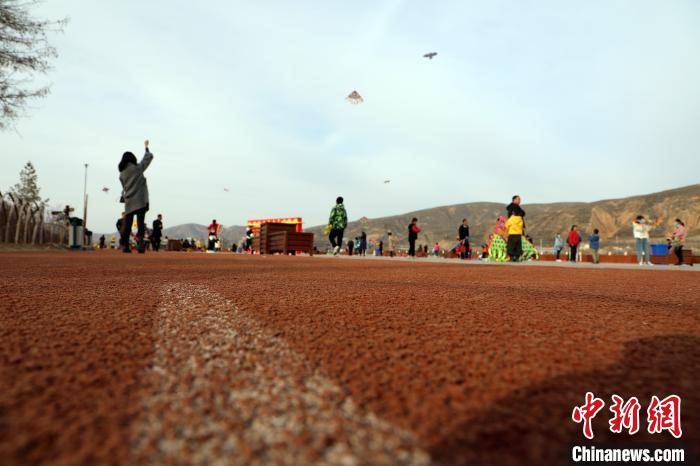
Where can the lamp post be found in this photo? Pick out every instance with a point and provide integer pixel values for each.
(85, 203)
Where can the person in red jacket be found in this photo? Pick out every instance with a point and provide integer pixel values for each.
(573, 240)
(214, 229)
(413, 231)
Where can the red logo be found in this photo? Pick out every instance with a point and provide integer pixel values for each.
(661, 415)
(625, 415)
(665, 415)
(586, 412)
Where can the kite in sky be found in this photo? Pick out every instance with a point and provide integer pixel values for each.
(354, 98)
(105, 189)
(226, 190)
(430, 55)
(387, 181)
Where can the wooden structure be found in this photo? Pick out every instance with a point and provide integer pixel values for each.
(282, 237)
(255, 225)
(174, 245)
(261, 241)
(286, 242)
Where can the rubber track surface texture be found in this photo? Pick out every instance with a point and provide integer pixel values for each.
(179, 358)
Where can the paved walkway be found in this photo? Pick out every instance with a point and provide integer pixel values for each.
(562, 264)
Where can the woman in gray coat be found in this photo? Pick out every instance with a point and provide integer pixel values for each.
(134, 196)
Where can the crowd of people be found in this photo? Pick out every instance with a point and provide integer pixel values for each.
(518, 245)
(152, 238)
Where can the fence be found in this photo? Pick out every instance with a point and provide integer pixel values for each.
(26, 223)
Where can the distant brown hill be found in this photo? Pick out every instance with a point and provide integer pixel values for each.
(612, 217)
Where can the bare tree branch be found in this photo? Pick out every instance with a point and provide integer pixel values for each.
(25, 52)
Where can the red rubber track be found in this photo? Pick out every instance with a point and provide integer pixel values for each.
(482, 365)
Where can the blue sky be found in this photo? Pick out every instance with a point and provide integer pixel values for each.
(557, 101)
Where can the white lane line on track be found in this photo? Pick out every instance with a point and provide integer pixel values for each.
(225, 390)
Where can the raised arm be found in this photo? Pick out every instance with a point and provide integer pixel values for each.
(147, 158)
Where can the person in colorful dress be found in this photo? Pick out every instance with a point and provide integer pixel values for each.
(529, 250)
(678, 240)
(496, 245)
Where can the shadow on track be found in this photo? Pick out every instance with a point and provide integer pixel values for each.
(533, 425)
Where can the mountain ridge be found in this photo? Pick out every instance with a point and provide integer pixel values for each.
(612, 217)
(439, 224)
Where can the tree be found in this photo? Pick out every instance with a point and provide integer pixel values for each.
(24, 52)
(27, 189)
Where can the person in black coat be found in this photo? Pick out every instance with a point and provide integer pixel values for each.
(413, 231)
(248, 245)
(120, 227)
(463, 233)
(157, 232)
(363, 244)
(514, 208)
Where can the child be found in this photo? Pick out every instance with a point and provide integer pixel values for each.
(678, 238)
(514, 226)
(558, 246)
(594, 241)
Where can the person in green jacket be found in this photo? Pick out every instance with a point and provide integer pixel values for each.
(337, 223)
